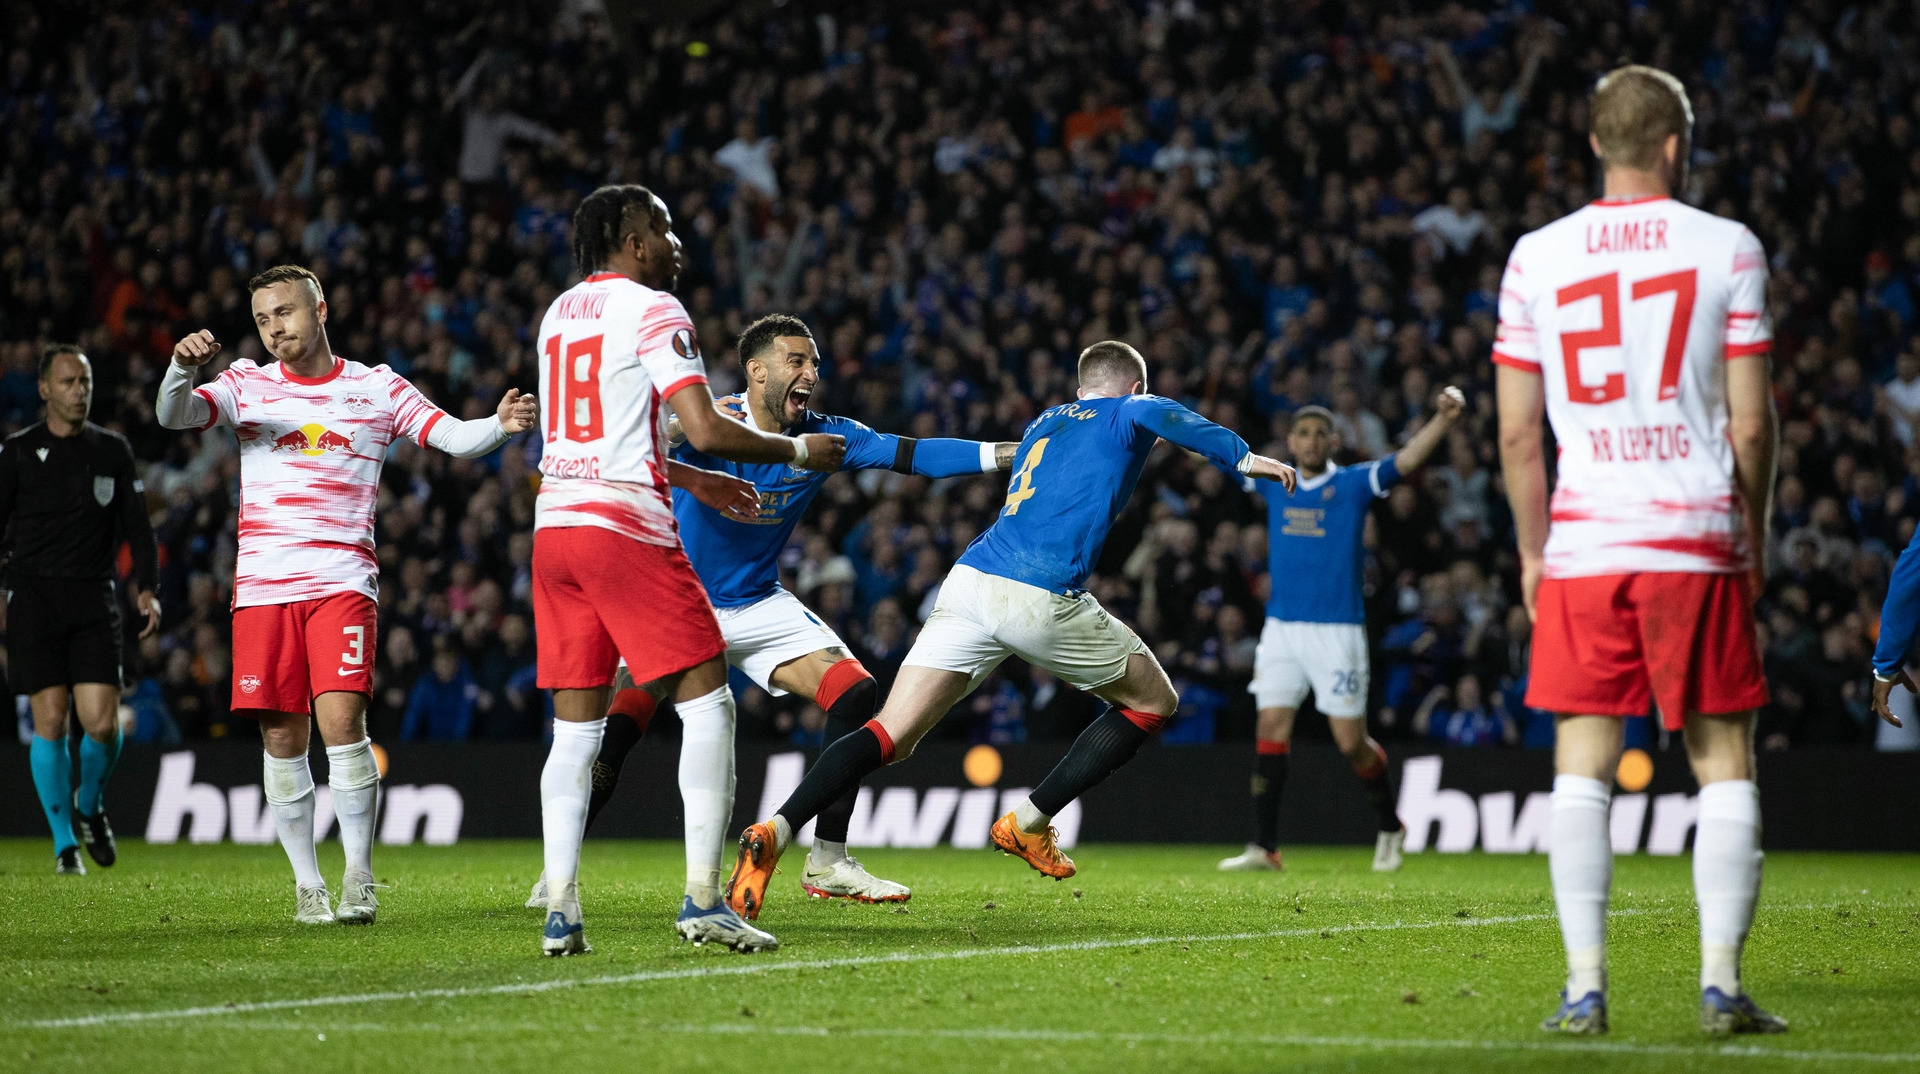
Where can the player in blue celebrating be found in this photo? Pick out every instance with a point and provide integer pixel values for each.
(770, 635)
(1019, 591)
(1316, 635)
(1899, 620)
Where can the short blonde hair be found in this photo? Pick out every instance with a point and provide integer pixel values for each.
(1634, 109)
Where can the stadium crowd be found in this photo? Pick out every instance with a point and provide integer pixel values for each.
(1277, 203)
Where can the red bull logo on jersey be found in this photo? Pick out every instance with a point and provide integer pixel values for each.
(313, 439)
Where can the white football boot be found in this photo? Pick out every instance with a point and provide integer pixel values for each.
(358, 903)
(1254, 859)
(719, 924)
(1387, 851)
(565, 934)
(537, 898)
(848, 879)
(313, 905)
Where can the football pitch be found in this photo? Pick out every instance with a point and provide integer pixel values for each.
(186, 958)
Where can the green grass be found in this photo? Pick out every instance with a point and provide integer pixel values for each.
(1836, 950)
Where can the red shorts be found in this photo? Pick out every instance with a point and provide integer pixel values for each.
(598, 596)
(1609, 644)
(285, 655)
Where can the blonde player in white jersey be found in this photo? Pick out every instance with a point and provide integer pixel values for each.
(1638, 327)
(313, 429)
(610, 579)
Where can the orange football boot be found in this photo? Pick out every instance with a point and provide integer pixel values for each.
(1037, 849)
(753, 870)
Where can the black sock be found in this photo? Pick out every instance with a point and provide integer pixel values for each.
(1101, 749)
(838, 772)
(848, 713)
(1379, 787)
(1269, 779)
(621, 737)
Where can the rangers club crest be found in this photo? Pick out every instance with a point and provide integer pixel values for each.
(249, 683)
(686, 344)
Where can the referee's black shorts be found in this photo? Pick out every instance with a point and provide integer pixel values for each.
(62, 631)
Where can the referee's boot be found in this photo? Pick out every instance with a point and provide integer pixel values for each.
(68, 863)
(96, 833)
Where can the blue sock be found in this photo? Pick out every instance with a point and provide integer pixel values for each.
(53, 778)
(96, 764)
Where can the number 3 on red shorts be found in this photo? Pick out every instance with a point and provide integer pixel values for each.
(357, 641)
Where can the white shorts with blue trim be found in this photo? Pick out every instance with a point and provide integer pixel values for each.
(770, 632)
(981, 619)
(1328, 658)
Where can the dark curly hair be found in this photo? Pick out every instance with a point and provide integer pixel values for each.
(761, 333)
(604, 220)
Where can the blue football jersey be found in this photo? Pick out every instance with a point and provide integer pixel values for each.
(739, 562)
(1314, 542)
(1076, 469)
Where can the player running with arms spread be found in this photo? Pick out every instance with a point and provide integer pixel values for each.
(313, 430)
(1019, 591)
(610, 578)
(1316, 632)
(770, 635)
(1638, 327)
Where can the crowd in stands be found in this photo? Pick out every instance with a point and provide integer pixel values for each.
(1278, 203)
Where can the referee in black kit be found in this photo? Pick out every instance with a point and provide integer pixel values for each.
(69, 490)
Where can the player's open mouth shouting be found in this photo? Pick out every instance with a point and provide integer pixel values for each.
(796, 402)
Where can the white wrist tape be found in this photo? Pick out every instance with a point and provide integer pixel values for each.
(799, 450)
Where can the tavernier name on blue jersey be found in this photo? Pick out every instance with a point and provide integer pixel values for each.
(1315, 547)
(739, 562)
(1075, 470)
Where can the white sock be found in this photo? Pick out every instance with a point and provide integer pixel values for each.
(782, 832)
(1726, 877)
(1029, 818)
(354, 777)
(706, 788)
(289, 789)
(826, 852)
(565, 784)
(1580, 857)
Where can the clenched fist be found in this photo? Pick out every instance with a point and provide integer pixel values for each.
(196, 350)
(518, 413)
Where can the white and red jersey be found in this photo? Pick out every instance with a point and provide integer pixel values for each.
(1629, 311)
(611, 353)
(310, 455)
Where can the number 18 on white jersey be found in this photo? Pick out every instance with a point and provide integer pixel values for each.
(1629, 311)
(611, 353)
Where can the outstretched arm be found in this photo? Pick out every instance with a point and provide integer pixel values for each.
(1172, 422)
(1446, 410)
(954, 458)
(481, 436)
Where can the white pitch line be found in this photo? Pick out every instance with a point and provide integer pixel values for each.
(759, 966)
(1067, 1036)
